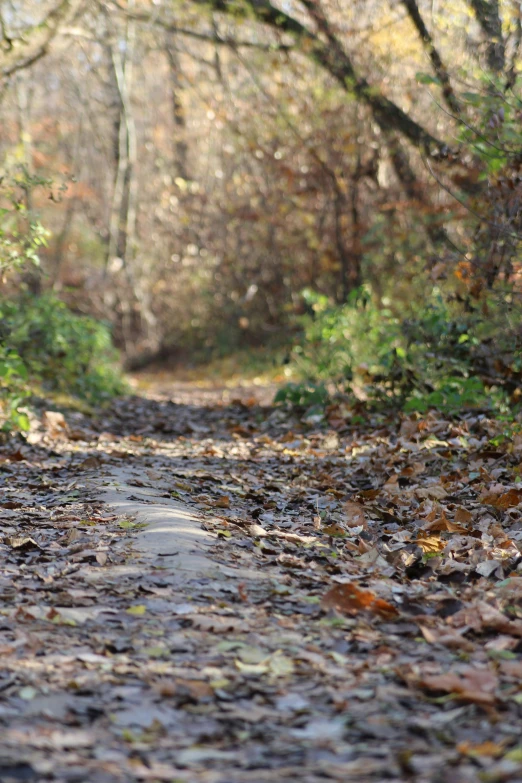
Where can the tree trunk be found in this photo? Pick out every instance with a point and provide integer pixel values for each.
(487, 13)
(178, 112)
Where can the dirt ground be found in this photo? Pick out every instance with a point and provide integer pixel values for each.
(199, 586)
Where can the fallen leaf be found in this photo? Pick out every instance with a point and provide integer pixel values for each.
(20, 542)
(504, 500)
(436, 492)
(487, 748)
(334, 530)
(217, 623)
(348, 598)
(101, 558)
(353, 515)
(482, 616)
(444, 525)
(27, 693)
(89, 463)
(487, 567)
(430, 544)
(462, 516)
(448, 637)
(54, 423)
(195, 690)
(473, 685)
(138, 610)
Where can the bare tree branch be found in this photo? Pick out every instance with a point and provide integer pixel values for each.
(437, 64)
(25, 50)
(330, 56)
(214, 37)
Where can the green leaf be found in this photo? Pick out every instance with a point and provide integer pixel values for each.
(472, 97)
(426, 78)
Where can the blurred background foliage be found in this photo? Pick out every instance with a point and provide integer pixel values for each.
(336, 183)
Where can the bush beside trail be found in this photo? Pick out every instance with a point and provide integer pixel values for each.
(46, 349)
(433, 355)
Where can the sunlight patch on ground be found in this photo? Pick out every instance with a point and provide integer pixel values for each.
(243, 370)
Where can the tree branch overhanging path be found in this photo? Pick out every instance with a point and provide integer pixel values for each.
(325, 49)
(329, 54)
(18, 52)
(319, 42)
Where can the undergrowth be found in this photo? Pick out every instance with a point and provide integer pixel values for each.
(45, 348)
(437, 355)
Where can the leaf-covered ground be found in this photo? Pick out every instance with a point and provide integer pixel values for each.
(377, 637)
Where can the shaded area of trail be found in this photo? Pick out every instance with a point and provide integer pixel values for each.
(329, 601)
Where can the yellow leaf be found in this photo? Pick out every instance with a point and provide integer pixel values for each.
(138, 610)
(431, 544)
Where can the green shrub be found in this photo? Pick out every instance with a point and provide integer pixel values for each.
(302, 395)
(14, 391)
(42, 343)
(436, 355)
(22, 235)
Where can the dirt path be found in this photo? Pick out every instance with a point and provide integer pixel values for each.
(200, 587)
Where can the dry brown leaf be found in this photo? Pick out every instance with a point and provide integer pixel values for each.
(448, 637)
(482, 616)
(101, 558)
(511, 669)
(487, 748)
(21, 542)
(444, 525)
(90, 462)
(348, 598)
(334, 530)
(369, 494)
(462, 517)
(217, 623)
(414, 470)
(55, 423)
(354, 515)
(505, 500)
(194, 690)
(472, 685)
(291, 561)
(434, 492)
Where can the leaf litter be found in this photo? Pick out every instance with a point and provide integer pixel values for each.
(379, 637)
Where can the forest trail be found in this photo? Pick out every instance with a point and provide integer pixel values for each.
(199, 586)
